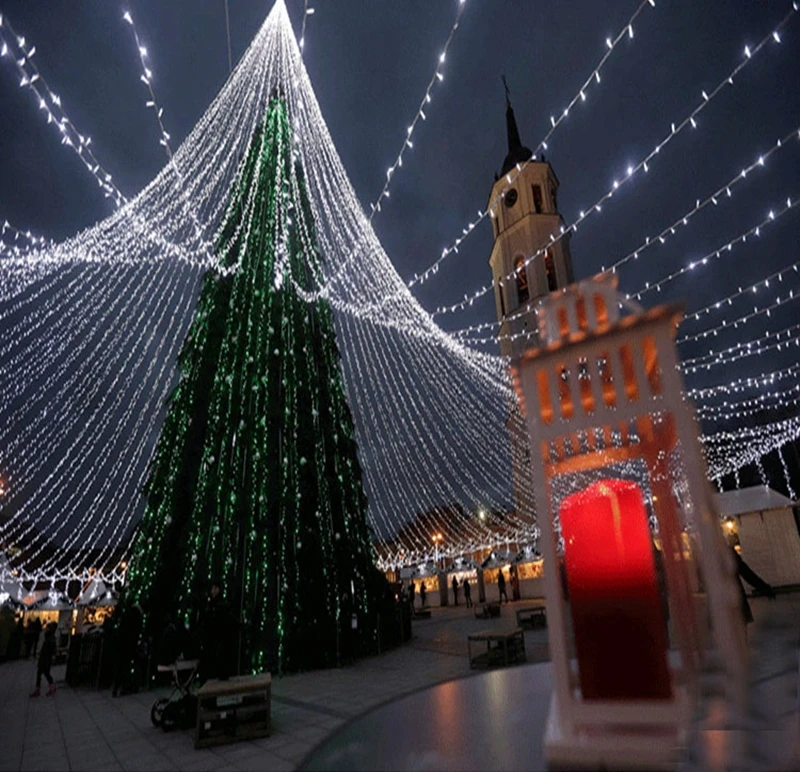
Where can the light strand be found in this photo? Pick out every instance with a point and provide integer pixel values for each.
(631, 171)
(437, 77)
(511, 177)
(50, 104)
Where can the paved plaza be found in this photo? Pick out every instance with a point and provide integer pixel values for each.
(83, 729)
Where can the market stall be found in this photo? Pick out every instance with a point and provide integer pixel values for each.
(87, 663)
(763, 525)
(529, 565)
(496, 561)
(426, 574)
(463, 567)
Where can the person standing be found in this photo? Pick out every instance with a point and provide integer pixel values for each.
(501, 586)
(514, 584)
(217, 636)
(45, 661)
(36, 631)
(455, 590)
(127, 647)
(422, 594)
(467, 593)
(412, 591)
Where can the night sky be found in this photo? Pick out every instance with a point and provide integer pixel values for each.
(369, 63)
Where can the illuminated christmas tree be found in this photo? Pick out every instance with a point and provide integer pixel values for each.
(255, 480)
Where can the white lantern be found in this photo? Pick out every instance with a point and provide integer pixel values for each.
(638, 579)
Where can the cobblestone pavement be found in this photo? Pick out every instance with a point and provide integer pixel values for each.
(84, 729)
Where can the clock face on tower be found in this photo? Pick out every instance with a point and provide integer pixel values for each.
(511, 197)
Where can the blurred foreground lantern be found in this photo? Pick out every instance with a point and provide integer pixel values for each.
(611, 436)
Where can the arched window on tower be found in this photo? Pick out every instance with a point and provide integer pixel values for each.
(523, 292)
(550, 270)
(538, 206)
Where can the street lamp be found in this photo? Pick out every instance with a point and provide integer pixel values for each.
(437, 539)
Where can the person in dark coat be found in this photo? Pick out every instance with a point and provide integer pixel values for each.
(412, 591)
(743, 571)
(467, 593)
(36, 631)
(455, 590)
(217, 637)
(127, 644)
(14, 649)
(45, 661)
(422, 593)
(501, 586)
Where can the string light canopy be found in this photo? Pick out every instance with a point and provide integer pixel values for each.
(114, 303)
(95, 323)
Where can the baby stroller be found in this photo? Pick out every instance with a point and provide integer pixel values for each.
(180, 708)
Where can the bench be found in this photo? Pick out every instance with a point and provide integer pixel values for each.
(532, 617)
(231, 710)
(422, 613)
(503, 648)
(487, 610)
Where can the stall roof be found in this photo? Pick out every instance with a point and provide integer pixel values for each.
(498, 558)
(755, 499)
(528, 554)
(96, 593)
(51, 601)
(463, 563)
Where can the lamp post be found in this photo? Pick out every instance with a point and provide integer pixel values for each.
(437, 539)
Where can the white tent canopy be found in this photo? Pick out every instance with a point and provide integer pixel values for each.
(97, 593)
(498, 558)
(528, 554)
(51, 601)
(11, 590)
(758, 498)
(463, 563)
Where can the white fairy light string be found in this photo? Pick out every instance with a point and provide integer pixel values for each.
(164, 141)
(722, 193)
(790, 297)
(720, 251)
(29, 240)
(95, 324)
(643, 165)
(744, 383)
(307, 11)
(780, 339)
(94, 365)
(437, 77)
(591, 81)
(730, 409)
(50, 104)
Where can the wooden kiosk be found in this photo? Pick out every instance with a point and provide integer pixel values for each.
(613, 445)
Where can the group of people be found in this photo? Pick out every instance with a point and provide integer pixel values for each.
(24, 639)
(513, 580)
(467, 592)
(423, 592)
(467, 588)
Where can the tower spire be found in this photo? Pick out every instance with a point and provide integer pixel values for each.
(517, 152)
(514, 142)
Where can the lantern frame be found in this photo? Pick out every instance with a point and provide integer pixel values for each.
(592, 378)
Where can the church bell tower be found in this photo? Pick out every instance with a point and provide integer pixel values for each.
(523, 206)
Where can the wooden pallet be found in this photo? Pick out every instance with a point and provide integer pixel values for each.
(232, 710)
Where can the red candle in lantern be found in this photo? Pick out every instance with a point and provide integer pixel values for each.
(617, 614)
